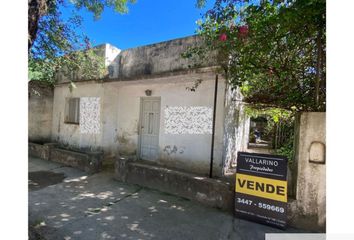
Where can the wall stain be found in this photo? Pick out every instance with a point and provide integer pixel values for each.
(170, 150)
(59, 122)
(116, 137)
(126, 145)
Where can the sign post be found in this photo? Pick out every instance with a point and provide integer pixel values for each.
(261, 188)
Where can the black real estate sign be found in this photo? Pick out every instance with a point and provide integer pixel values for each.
(261, 188)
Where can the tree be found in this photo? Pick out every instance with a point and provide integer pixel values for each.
(39, 8)
(53, 42)
(274, 50)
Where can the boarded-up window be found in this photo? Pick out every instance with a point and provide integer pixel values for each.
(72, 110)
(90, 115)
(188, 120)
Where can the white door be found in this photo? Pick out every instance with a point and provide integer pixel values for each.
(149, 128)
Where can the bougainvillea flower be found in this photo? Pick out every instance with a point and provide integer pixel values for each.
(243, 31)
(223, 37)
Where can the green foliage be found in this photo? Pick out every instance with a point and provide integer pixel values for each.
(280, 122)
(273, 114)
(85, 64)
(287, 149)
(97, 6)
(88, 64)
(58, 46)
(41, 70)
(200, 3)
(273, 50)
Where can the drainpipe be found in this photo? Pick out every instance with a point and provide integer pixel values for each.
(213, 131)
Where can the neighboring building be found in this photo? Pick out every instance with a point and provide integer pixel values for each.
(40, 113)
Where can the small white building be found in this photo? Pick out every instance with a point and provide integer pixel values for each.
(154, 105)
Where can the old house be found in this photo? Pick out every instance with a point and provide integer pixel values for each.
(153, 106)
(163, 109)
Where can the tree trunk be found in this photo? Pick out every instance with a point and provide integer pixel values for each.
(36, 9)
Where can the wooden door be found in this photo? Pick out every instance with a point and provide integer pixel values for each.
(149, 128)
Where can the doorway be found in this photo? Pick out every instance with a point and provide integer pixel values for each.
(149, 128)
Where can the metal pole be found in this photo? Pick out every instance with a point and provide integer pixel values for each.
(213, 132)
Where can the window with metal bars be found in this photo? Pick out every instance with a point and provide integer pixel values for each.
(72, 110)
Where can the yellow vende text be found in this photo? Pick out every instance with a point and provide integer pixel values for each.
(262, 187)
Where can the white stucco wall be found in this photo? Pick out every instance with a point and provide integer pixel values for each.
(70, 134)
(192, 151)
(120, 113)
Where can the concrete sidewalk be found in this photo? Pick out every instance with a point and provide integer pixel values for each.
(98, 207)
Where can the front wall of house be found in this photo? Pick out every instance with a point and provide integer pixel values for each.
(81, 136)
(180, 146)
(187, 147)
